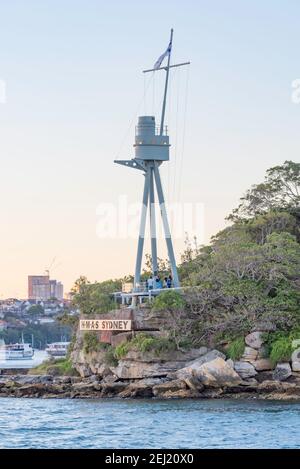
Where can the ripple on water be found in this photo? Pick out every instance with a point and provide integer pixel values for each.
(66, 423)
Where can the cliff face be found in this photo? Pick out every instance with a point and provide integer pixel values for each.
(198, 372)
(99, 360)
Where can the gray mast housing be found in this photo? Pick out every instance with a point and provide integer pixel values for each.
(149, 143)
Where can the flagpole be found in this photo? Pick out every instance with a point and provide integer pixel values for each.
(166, 88)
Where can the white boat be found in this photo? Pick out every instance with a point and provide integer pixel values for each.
(58, 349)
(16, 352)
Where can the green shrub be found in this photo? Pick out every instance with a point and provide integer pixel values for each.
(121, 350)
(168, 300)
(279, 344)
(281, 350)
(144, 343)
(91, 343)
(236, 348)
(109, 357)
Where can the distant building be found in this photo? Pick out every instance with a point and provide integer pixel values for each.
(56, 290)
(38, 287)
(41, 288)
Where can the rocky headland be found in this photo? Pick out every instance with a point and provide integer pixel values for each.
(198, 373)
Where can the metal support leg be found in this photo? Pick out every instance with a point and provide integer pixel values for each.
(138, 265)
(166, 226)
(153, 224)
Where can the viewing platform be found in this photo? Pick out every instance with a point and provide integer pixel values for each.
(139, 295)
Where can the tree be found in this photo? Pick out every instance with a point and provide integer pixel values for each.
(94, 298)
(279, 191)
(35, 310)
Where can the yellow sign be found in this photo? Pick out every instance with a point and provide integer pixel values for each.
(105, 325)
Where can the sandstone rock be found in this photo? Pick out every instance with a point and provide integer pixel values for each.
(252, 382)
(194, 383)
(212, 393)
(244, 369)
(39, 389)
(120, 338)
(296, 355)
(192, 367)
(11, 383)
(248, 386)
(34, 379)
(103, 370)
(62, 380)
(230, 363)
(110, 378)
(270, 386)
(207, 357)
(111, 389)
(254, 340)
(84, 387)
(215, 373)
(130, 369)
(263, 364)
(76, 379)
(249, 355)
(168, 356)
(83, 370)
(296, 366)
(180, 394)
(170, 386)
(282, 372)
(140, 388)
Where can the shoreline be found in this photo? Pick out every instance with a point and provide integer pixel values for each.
(73, 387)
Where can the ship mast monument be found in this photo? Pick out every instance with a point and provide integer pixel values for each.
(151, 150)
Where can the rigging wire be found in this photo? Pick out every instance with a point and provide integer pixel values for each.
(141, 102)
(153, 94)
(169, 168)
(183, 132)
(176, 139)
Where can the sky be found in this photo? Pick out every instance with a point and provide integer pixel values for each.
(74, 88)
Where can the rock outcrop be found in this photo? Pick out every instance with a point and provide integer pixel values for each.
(197, 373)
(254, 340)
(282, 372)
(245, 369)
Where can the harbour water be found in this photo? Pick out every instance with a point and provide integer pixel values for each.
(39, 357)
(67, 423)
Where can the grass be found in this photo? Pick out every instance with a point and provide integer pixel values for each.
(55, 367)
(236, 348)
(144, 343)
(281, 350)
(280, 345)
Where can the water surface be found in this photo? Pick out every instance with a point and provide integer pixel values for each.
(107, 423)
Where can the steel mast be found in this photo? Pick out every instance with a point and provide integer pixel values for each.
(151, 149)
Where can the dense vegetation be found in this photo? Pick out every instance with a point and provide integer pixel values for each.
(250, 272)
(248, 275)
(94, 298)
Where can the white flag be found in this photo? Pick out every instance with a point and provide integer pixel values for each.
(161, 58)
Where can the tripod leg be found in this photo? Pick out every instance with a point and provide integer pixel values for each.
(138, 265)
(166, 226)
(153, 225)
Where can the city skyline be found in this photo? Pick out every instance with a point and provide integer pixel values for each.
(73, 80)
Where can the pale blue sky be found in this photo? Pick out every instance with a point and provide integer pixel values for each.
(73, 76)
